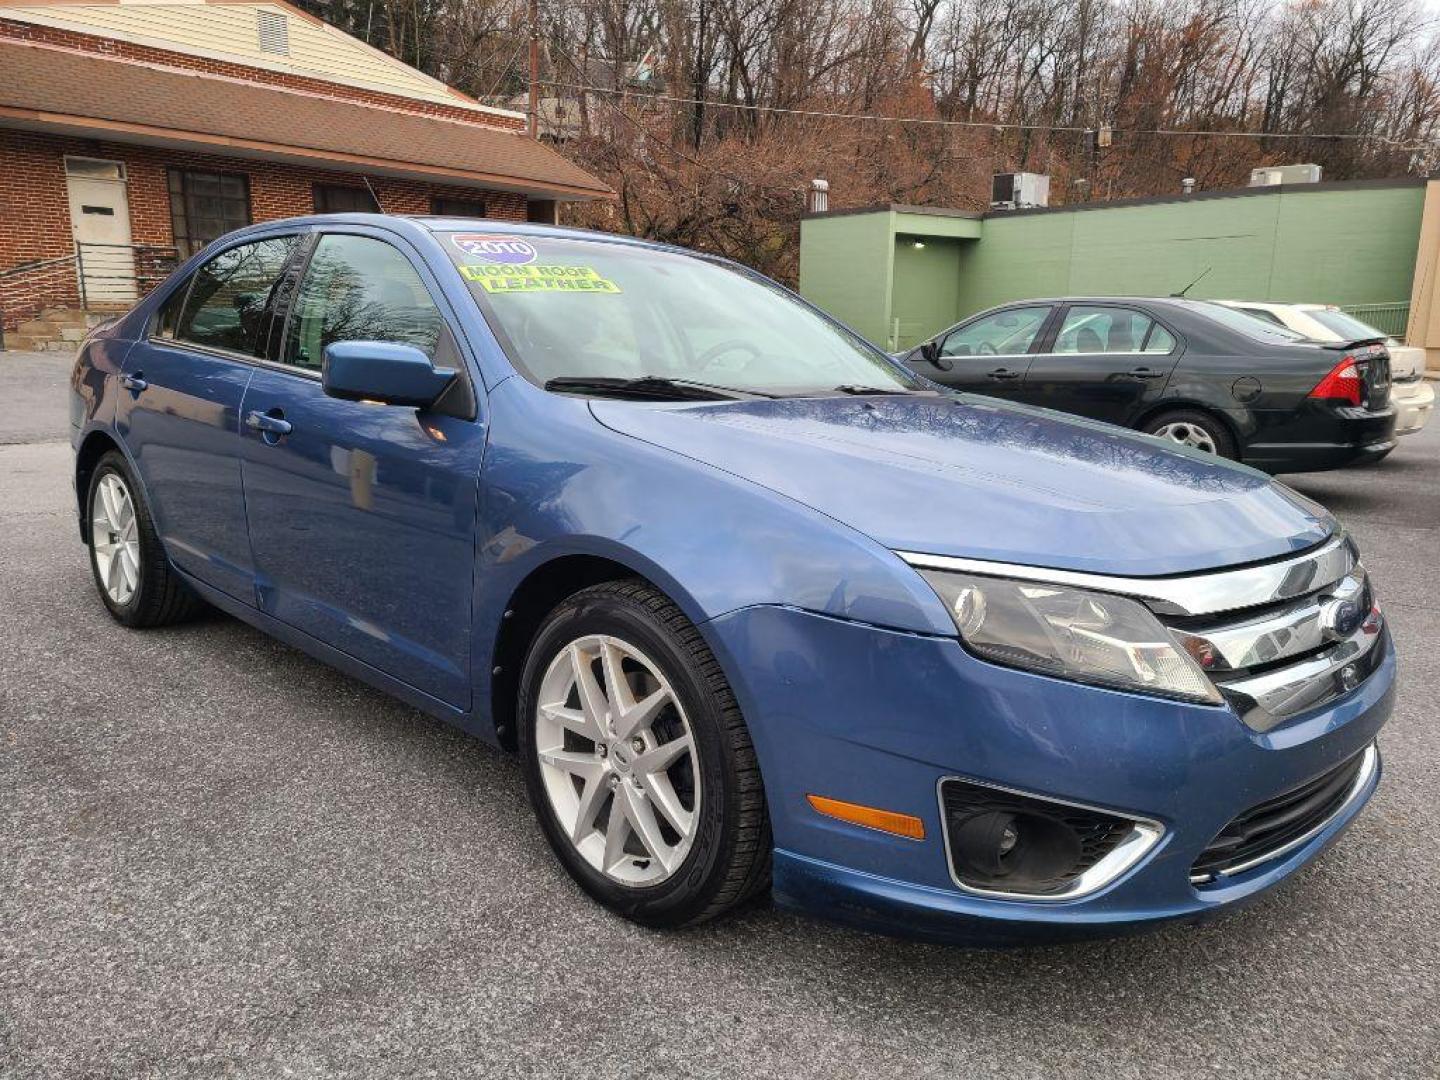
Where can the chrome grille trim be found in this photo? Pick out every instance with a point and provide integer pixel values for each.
(1265, 701)
(1270, 638)
(1194, 594)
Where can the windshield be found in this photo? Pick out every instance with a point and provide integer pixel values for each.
(1250, 325)
(576, 309)
(1346, 326)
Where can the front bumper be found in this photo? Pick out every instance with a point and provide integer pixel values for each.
(1413, 403)
(878, 717)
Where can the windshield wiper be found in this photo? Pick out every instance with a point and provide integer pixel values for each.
(855, 388)
(649, 386)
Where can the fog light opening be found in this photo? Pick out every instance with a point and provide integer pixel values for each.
(1023, 851)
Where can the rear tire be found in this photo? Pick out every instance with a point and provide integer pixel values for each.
(650, 794)
(132, 574)
(1189, 427)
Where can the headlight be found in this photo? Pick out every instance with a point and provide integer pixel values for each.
(1071, 634)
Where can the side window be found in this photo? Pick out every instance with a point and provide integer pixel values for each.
(168, 316)
(1160, 341)
(357, 288)
(1096, 329)
(1005, 333)
(232, 297)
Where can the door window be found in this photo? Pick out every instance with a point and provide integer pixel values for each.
(1005, 333)
(1094, 329)
(233, 296)
(359, 289)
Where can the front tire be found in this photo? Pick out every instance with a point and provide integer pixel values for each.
(134, 578)
(1189, 427)
(638, 763)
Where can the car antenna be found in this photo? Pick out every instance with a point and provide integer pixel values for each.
(1181, 294)
(381, 208)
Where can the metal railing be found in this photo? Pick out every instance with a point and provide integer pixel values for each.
(116, 275)
(95, 277)
(1389, 318)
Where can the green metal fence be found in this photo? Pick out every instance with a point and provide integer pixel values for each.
(1387, 318)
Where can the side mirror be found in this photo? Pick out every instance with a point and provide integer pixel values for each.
(382, 371)
(930, 353)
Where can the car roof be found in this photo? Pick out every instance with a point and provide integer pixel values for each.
(1273, 305)
(437, 224)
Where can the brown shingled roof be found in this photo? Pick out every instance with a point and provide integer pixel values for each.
(56, 89)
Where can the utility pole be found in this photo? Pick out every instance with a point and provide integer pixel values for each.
(534, 69)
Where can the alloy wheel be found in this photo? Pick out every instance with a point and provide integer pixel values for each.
(1186, 434)
(618, 760)
(114, 538)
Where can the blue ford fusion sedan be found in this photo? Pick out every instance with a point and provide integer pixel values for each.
(758, 609)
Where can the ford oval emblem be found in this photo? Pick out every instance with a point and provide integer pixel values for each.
(1340, 618)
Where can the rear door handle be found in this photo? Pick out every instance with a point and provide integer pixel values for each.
(1146, 373)
(1003, 373)
(133, 382)
(269, 423)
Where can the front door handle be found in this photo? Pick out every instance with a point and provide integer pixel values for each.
(1003, 373)
(1146, 373)
(134, 382)
(271, 423)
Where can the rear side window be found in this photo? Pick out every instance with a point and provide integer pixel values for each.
(233, 295)
(169, 315)
(359, 289)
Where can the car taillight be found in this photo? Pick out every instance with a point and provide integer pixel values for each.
(1344, 383)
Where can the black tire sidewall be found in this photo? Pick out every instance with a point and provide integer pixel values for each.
(687, 892)
(113, 463)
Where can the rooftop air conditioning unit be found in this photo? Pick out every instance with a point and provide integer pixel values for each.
(1273, 175)
(1019, 191)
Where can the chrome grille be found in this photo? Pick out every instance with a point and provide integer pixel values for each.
(1272, 659)
(1276, 638)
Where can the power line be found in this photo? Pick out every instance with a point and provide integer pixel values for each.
(990, 124)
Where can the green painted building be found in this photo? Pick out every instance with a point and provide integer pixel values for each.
(898, 274)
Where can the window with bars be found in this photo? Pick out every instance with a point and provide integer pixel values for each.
(454, 206)
(206, 205)
(341, 199)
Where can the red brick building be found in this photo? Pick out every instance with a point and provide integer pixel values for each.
(132, 134)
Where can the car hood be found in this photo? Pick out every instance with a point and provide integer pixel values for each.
(977, 478)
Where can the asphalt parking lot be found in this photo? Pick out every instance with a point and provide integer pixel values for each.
(221, 858)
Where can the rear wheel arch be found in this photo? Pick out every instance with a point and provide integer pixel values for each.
(94, 447)
(1191, 406)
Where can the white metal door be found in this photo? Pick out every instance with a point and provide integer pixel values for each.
(100, 221)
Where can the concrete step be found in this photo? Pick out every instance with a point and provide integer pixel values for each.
(27, 343)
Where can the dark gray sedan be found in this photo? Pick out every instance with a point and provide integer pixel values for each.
(1191, 371)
